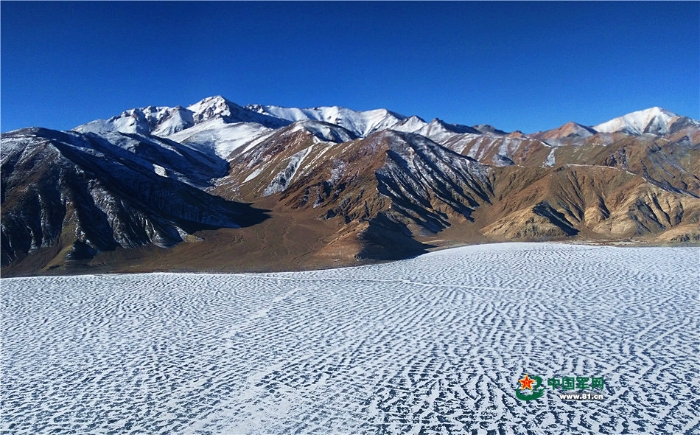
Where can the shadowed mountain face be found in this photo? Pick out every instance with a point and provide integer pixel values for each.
(225, 187)
(87, 193)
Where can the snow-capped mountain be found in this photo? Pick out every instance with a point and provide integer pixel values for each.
(218, 107)
(158, 121)
(655, 121)
(437, 127)
(361, 124)
(341, 184)
(410, 124)
(165, 121)
(168, 121)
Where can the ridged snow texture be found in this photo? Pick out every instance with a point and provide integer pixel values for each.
(435, 344)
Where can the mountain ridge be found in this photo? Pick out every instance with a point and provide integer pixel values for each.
(219, 185)
(164, 121)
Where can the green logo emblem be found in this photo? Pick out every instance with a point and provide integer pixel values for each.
(526, 384)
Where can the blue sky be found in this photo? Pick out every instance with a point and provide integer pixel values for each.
(525, 66)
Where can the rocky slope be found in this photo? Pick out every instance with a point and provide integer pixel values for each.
(218, 186)
(78, 194)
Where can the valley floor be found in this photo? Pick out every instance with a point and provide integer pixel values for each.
(434, 344)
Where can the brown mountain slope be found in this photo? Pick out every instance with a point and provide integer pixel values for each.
(590, 201)
(74, 202)
(387, 188)
(75, 195)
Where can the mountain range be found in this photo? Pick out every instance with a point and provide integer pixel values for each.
(220, 187)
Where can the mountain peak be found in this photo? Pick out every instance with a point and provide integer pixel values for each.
(654, 120)
(411, 124)
(212, 107)
(568, 130)
(159, 120)
(657, 110)
(214, 99)
(453, 128)
(486, 128)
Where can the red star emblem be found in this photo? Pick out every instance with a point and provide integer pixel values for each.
(526, 382)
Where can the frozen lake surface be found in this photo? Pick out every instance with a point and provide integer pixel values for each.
(435, 344)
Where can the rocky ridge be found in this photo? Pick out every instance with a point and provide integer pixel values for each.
(221, 178)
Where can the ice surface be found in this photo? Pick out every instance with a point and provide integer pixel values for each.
(435, 344)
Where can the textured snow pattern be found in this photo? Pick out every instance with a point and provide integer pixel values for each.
(435, 344)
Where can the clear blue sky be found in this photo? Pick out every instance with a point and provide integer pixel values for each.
(525, 66)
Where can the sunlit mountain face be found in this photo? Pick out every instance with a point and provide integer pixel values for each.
(216, 185)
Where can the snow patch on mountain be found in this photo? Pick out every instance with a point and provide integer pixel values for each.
(219, 107)
(360, 123)
(147, 120)
(166, 121)
(410, 125)
(221, 137)
(254, 174)
(325, 131)
(441, 132)
(160, 170)
(506, 149)
(550, 158)
(284, 177)
(175, 120)
(324, 147)
(180, 161)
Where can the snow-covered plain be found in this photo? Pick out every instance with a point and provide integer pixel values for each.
(434, 344)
